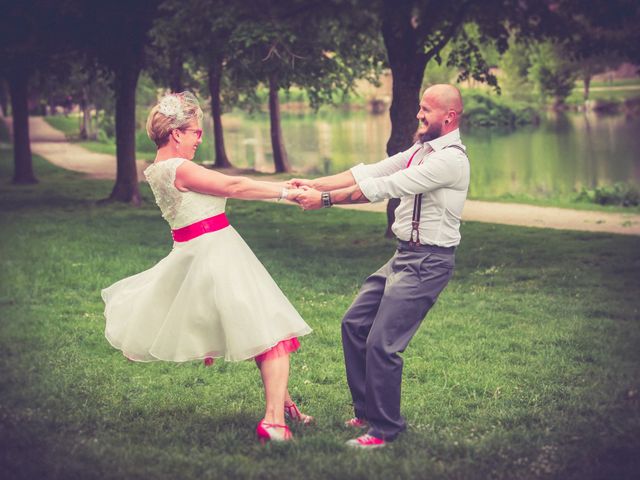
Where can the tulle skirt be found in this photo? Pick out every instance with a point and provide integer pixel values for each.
(210, 297)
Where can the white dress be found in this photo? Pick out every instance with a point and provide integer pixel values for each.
(210, 297)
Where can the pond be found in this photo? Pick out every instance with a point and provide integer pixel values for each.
(559, 156)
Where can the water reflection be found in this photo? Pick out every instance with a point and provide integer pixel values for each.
(561, 155)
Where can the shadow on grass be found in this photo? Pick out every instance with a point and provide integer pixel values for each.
(528, 366)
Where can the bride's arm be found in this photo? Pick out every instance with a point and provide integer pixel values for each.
(191, 176)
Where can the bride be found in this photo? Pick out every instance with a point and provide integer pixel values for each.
(210, 297)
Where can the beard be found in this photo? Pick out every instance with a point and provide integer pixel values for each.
(433, 131)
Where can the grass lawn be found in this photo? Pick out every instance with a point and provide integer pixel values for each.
(621, 82)
(528, 366)
(69, 125)
(617, 96)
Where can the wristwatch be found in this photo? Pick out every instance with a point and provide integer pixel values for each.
(326, 199)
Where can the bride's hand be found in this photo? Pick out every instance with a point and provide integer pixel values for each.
(298, 183)
(294, 193)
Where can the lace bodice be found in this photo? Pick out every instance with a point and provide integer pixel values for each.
(178, 208)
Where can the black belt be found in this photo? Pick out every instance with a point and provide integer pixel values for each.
(423, 247)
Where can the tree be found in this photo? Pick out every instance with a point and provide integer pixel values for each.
(211, 24)
(32, 34)
(589, 39)
(315, 46)
(592, 65)
(515, 64)
(601, 34)
(415, 33)
(4, 98)
(553, 72)
(322, 47)
(116, 34)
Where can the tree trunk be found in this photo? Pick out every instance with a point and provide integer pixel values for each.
(126, 186)
(23, 165)
(280, 159)
(215, 77)
(52, 110)
(407, 62)
(86, 114)
(587, 83)
(176, 71)
(4, 100)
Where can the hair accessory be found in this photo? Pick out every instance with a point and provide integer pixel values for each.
(171, 106)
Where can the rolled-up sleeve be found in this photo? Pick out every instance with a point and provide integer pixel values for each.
(386, 167)
(438, 171)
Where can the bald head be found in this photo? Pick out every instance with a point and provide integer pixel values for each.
(446, 96)
(439, 113)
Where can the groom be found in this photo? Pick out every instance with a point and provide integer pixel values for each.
(431, 178)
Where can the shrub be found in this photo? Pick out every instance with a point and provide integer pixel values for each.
(143, 143)
(616, 194)
(483, 110)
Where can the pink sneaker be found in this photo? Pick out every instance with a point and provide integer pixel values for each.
(356, 422)
(366, 441)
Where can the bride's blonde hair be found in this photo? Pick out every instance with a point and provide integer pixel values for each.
(175, 110)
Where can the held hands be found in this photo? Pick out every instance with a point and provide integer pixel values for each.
(307, 198)
(302, 192)
(295, 192)
(310, 199)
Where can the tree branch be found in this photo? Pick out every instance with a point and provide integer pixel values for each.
(448, 33)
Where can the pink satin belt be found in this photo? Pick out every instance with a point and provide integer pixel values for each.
(194, 230)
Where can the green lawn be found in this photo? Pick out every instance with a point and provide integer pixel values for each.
(69, 125)
(622, 82)
(528, 367)
(617, 96)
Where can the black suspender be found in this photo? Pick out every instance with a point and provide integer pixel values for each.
(414, 238)
(458, 147)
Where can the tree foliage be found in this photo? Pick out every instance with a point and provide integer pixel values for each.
(33, 35)
(116, 35)
(552, 71)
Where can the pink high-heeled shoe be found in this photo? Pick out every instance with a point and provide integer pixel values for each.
(293, 413)
(273, 432)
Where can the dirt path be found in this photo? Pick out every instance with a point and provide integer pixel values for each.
(51, 144)
(543, 217)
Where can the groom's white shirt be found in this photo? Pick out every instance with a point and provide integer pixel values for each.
(440, 174)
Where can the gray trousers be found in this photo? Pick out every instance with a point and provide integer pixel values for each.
(379, 325)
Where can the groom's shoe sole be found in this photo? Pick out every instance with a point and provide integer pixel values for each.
(356, 422)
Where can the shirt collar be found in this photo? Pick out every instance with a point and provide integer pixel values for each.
(451, 138)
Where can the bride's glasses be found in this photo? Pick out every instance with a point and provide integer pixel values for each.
(197, 131)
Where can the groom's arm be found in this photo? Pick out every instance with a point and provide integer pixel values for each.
(312, 199)
(357, 173)
(324, 184)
